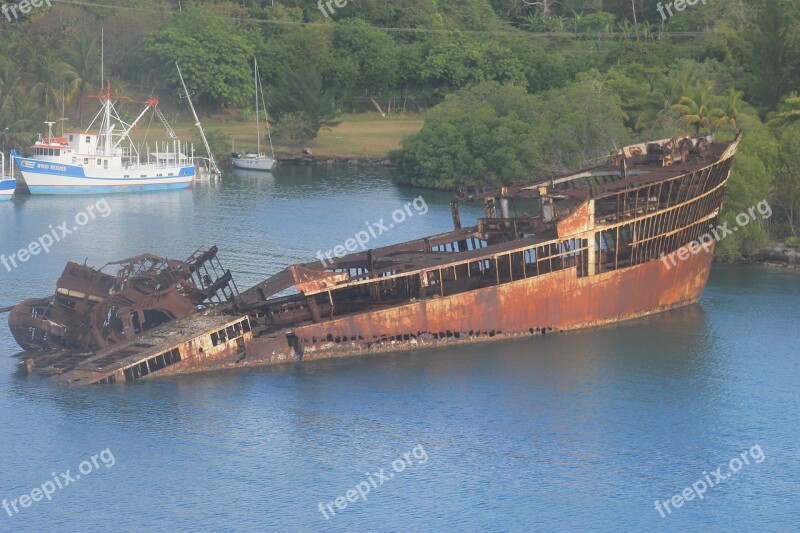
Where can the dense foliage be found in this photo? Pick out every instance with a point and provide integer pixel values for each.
(511, 88)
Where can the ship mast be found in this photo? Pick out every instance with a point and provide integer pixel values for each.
(108, 129)
(212, 164)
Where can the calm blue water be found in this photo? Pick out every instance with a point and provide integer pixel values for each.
(578, 431)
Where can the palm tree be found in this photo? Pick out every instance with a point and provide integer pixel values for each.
(699, 109)
(18, 116)
(52, 77)
(734, 107)
(661, 100)
(788, 111)
(84, 60)
(20, 123)
(10, 81)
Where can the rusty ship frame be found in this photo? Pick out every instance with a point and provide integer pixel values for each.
(560, 253)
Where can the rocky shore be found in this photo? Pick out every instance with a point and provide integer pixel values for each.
(778, 255)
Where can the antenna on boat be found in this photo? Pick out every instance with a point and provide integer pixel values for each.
(49, 131)
(212, 164)
(102, 56)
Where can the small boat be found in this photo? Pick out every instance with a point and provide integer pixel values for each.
(98, 162)
(257, 160)
(7, 182)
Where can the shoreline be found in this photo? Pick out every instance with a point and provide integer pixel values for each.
(311, 159)
(777, 255)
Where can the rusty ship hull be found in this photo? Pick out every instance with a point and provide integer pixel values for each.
(614, 242)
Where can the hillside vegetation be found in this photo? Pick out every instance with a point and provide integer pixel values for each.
(509, 89)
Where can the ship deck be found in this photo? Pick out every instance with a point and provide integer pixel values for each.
(151, 352)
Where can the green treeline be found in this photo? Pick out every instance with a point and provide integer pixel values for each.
(511, 89)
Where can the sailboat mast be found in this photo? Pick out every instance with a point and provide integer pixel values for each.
(255, 93)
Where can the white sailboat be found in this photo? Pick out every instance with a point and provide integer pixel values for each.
(258, 160)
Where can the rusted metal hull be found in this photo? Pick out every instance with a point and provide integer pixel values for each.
(551, 302)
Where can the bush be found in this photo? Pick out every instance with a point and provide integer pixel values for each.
(792, 242)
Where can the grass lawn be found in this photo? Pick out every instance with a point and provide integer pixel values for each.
(361, 135)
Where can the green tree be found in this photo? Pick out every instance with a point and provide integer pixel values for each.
(396, 14)
(787, 113)
(85, 55)
(295, 129)
(787, 182)
(751, 181)
(366, 59)
(734, 108)
(699, 108)
(463, 61)
(483, 134)
(54, 82)
(302, 92)
(773, 54)
(579, 124)
(215, 56)
(20, 116)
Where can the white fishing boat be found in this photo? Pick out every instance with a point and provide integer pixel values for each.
(257, 160)
(101, 162)
(7, 182)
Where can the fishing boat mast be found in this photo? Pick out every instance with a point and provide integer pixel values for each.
(212, 164)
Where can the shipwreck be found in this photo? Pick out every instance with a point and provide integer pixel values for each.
(559, 253)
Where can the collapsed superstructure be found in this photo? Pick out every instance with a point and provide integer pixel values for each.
(559, 253)
(91, 309)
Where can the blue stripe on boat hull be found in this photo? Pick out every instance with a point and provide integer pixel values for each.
(45, 177)
(93, 189)
(7, 188)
